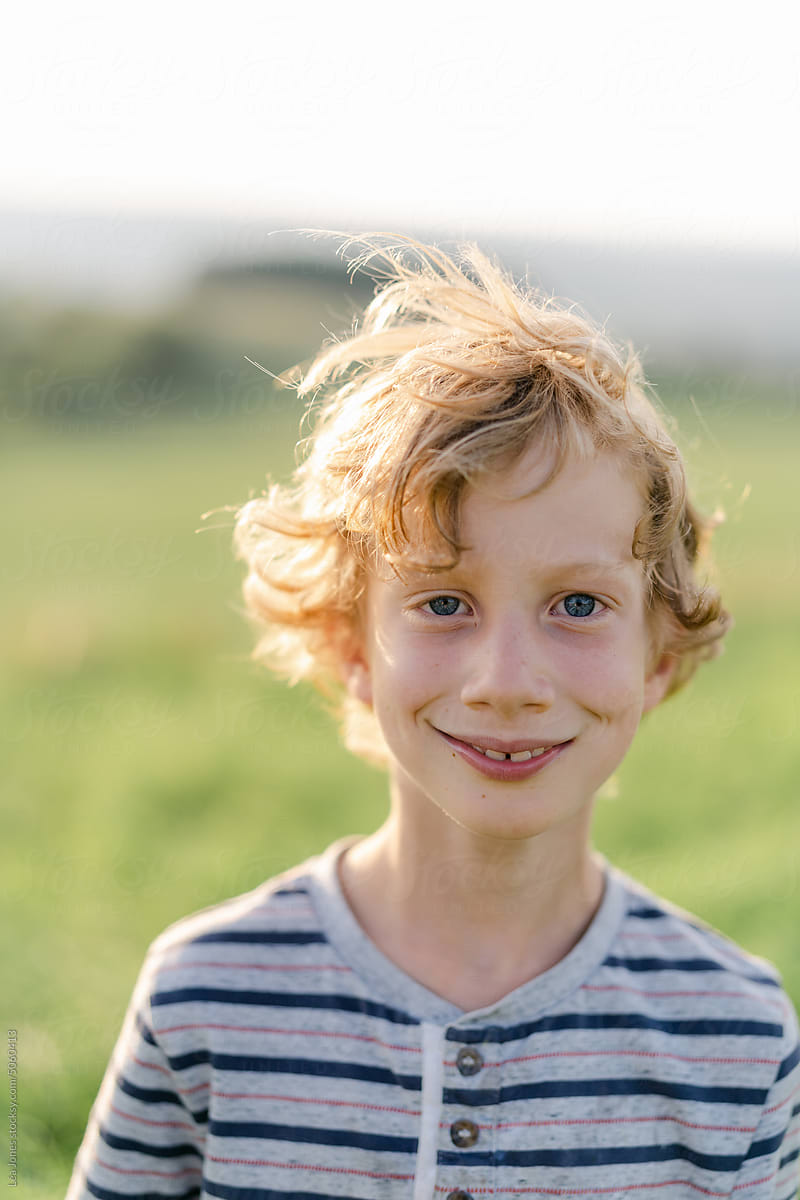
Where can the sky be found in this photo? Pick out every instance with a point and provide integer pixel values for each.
(640, 124)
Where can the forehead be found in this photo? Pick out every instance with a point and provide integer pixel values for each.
(588, 508)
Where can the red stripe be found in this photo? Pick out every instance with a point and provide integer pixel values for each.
(409, 1112)
(144, 1121)
(754, 1182)
(406, 1112)
(353, 1037)
(594, 987)
(161, 1174)
(285, 1166)
(788, 1100)
(620, 1121)
(151, 1066)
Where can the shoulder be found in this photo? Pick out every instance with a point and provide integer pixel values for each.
(686, 993)
(234, 940)
(673, 954)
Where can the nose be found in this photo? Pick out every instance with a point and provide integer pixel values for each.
(507, 668)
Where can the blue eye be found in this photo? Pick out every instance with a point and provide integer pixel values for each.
(444, 606)
(579, 605)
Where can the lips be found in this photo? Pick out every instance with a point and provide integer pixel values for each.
(506, 761)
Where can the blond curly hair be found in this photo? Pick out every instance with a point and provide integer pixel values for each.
(454, 372)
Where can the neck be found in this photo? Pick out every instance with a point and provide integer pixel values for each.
(472, 917)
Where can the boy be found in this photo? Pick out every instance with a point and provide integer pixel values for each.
(489, 546)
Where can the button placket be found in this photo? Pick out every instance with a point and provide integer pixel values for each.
(464, 1132)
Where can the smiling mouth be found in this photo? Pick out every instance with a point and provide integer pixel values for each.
(509, 761)
(497, 751)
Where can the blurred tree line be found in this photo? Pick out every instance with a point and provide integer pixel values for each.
(84, 366)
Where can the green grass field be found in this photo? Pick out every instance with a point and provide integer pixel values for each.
(150, 769)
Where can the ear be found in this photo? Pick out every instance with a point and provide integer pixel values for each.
(657, 681)
(357, 679)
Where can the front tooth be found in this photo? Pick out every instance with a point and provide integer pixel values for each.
(494, 754)
(541, 750)
(522, 755)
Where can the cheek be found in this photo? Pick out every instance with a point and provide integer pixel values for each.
(609, 680)
(406, 674)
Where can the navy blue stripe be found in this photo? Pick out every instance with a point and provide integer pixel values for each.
(702, 1027)
(296, 1066)
(149, 1095)
(260, 937)
(176, 1151)
(313, 1135)
(225, 1192)
(766, 1146)
(290, 891)
(145, 1032)
(490, 1097)
(158, 1096)
(648, 913)
(683, 964)
(284, 1000)
(106, 1194)
(193, 1058)
(595, 1156)
(789, 1158)
(789, 1063)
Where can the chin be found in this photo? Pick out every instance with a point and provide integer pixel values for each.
(517, 826)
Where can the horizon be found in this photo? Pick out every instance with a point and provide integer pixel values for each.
(684, 303)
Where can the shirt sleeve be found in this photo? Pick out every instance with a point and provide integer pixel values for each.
(145, 1135)
(771, 1169)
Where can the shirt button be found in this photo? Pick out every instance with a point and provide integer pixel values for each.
(459, 1196)
(469, 1060)
(464, 1133)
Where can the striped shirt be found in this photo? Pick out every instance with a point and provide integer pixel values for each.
(272, 1051)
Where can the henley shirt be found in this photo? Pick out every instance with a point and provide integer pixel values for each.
(271, 1051)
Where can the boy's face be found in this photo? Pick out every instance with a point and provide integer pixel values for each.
(536, 645)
